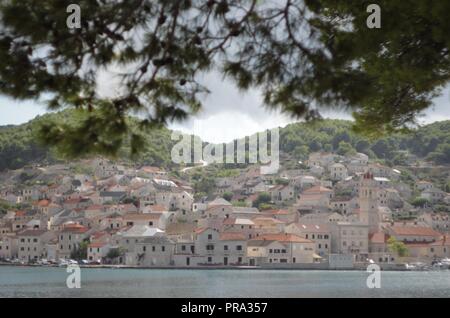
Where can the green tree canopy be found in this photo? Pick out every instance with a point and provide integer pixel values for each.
(80, 253)
(345, 149)
(420, 202)
(114, 253)
(263, 198)
(397, 247)
(304, 56)
(227, 196)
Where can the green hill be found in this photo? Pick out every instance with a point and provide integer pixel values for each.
(430, 142)
(18, 145)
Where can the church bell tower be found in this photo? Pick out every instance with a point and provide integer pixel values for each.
(368, 202)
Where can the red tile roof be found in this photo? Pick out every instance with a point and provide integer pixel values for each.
(289, 238)
(414, 231)
(97, 244)
(232, 236)
(200, 230)
(74, 228)
(157, 208)
(32, 233)
(229, 221)
(19, 213)
(43, 203)
(378, 238)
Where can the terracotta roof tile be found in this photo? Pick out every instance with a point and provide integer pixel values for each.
(414, 231)
(232, 236)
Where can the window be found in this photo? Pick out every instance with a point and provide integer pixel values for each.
(209, 259)
(153, 248)
(239, 247)
(163, 248)
(283, 251)
(144, 248)
(209, 236)
(225, 247)
(183, 247)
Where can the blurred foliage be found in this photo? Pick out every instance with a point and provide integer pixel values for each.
(305, 57)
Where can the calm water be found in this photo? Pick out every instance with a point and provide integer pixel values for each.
(51, 282)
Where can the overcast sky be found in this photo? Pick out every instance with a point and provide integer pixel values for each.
(227, 113)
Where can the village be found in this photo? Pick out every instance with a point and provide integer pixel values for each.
(334, 212)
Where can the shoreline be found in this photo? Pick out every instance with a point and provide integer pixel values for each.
(105, 266)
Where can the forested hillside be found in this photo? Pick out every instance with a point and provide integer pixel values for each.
(430, 142)
(19, 146)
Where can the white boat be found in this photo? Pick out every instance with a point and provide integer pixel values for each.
(418, 266)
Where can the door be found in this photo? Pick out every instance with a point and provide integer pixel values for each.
(225, 261)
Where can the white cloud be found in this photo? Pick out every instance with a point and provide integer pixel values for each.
(227, 113)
